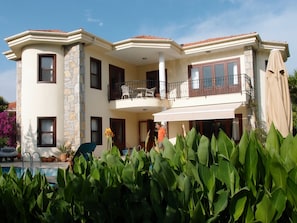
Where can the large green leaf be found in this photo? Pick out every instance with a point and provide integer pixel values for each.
(156, 198)
(278, 172)
(214, 149)
(251, 164)
(169, 150)
(191, 138)
(238, 203)
(288, 152)
(203, 151)
(198, 213)
(273, 141)
(221, 201)
(164, 174)
(228, 175)
(128, 175)
(278, 199)
(208, 178)
(265, 210)
(225, 145)
(243, 146)
(184, 185)
(292, 187)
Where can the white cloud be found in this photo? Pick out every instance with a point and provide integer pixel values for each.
(273, 23)
(8, 85)
(90, 18)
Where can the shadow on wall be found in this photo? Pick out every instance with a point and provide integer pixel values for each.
(30, 141)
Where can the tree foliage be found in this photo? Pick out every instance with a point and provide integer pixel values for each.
(292, 80)
(3, 104)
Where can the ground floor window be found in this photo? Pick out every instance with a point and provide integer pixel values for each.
(232, 127)
(96, 130)
(46, 131)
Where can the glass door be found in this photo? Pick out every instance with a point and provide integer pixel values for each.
(116, 80)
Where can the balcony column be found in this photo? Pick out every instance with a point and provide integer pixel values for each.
(162, 76)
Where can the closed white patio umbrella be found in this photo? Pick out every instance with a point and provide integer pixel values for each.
(278, 102)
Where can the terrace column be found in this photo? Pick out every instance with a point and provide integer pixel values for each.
(162, 79)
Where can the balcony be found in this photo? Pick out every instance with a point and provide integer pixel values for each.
(135, 97)
(210, 86)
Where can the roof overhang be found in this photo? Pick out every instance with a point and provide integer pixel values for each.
(222, 44)
(140, 51)
(204, 112)
(30, 37)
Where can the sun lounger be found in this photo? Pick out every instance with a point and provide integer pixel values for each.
(8, 153)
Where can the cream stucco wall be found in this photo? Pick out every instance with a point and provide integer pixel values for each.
(97, 103)
(40, 100)
(260, 80)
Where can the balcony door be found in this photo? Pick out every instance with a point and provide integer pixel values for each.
(212, 127)
(219, 77)
(116, 79)
(152, 78)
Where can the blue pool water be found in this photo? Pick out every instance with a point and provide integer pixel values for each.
(49, 172)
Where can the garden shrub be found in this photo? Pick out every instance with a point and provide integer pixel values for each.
(196, 180)
(7, 129)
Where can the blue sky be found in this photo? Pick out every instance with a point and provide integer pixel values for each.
(115, 20)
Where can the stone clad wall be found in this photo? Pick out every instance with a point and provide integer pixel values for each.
(74, 95)
(19, 101)
(250, 61)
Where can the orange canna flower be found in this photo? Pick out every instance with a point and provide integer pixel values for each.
(108, 133)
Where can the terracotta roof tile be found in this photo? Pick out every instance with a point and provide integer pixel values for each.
(148, 37)
(214, 39)
(11, 106)
(48, 30)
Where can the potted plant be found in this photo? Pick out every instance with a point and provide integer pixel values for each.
(65, 150)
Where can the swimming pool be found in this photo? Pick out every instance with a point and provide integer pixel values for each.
(48, 172)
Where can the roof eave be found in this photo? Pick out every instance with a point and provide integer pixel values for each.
(146, 43)
(223, 44)
(17, 42)
(282, 46)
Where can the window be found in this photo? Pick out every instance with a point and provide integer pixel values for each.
(232, 73)
(47, 68)
(46, 131)
(207, 77)
(219, 77)
(195, 77)
(95, 70)
(96, 130)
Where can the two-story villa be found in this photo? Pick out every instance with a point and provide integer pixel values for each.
(71, 86)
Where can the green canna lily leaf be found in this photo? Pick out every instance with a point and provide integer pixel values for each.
(278, 199)
(203, 151)
(265, 210)
(243, 146)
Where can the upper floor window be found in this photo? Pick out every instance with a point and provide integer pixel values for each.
(46, 131)
(214, 78)
(96, 130)
(47, 68)
(95, 70)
